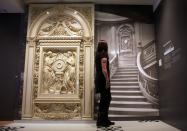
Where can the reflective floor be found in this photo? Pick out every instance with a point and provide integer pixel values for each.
(28, 125)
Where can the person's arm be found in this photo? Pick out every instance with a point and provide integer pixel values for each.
(104, 70)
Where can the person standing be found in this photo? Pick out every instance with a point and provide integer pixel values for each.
(102, 84)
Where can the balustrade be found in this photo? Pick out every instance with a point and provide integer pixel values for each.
(113, 65)
(148, 84)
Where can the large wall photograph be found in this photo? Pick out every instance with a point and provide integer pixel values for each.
(130, 35)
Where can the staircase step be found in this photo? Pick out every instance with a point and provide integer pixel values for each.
(125, 76)
(133, 111)
(125, 88)
(127, 69)
(123, 83)
(124, 79)
(140, 115)
(132, 60)
(126, 72)
(126, 63)
(127, 57)
(131, 104)
(133, 117)
(126, 93)
(122, 64)
(128, 98)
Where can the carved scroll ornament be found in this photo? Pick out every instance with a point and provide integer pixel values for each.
(61, 25)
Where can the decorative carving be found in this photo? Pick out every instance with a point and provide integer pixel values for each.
(81, 90)
(149, 51)
(31, 39)
(58, 67)
(151, 87)
(125, 37)
(58, 71)
(61, 25)
(36, 70)
(35, 11)
(87, 40)
(81, 69)
(148, 60)
(86, 12)
(57, 110)
(59, 74)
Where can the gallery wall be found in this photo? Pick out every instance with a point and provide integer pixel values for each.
(170, 21)
(11, 52)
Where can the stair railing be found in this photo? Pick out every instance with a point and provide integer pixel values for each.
(113, 65)
(147, 83)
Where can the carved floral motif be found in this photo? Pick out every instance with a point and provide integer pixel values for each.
(60, 25)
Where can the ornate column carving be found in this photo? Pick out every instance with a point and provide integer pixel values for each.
(88, 80)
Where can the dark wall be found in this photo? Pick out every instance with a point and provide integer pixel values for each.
(171, 25)
(11, 65)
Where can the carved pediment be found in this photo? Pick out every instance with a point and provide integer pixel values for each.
(60, 25)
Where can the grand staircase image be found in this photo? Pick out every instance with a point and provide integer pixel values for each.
(128, 102)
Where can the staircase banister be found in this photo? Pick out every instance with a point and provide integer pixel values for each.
(148, 44)
(141, 70)
(113, 65)
(113, 59)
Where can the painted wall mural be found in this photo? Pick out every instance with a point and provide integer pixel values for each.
(132, 54)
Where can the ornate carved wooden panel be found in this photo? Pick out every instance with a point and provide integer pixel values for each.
(57, 92)
(58, 36)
